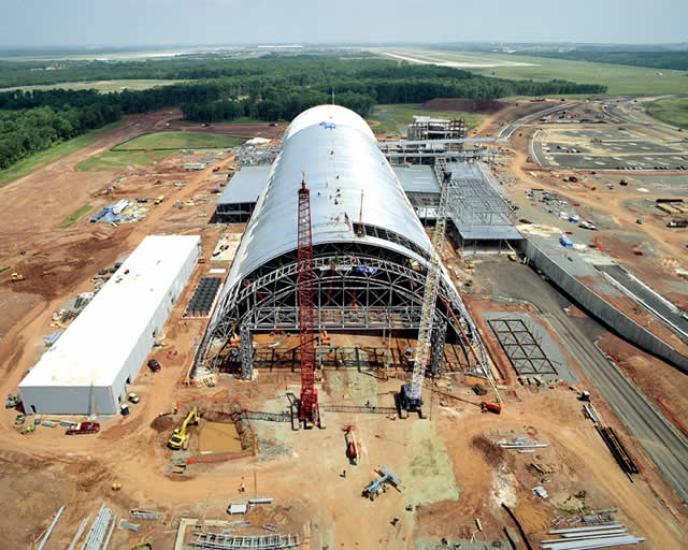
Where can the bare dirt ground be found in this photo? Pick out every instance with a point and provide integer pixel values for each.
(450, 474)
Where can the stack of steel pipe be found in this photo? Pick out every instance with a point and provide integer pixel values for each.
(605, 535)
(98, 530)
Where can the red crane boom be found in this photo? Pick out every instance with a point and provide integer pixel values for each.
(308, 404)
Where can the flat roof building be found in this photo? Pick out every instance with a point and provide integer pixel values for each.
(87, 370)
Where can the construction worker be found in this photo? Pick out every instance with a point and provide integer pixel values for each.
(343, 474)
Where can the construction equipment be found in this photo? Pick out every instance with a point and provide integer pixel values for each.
(309, 413)
(15, 277)
(353, 453)
(495, 408)
(379, 486)
(410, 398)
(154, 365)
(30, 428)
(584, 396)
(180, 435)
(83, 428)
(12, 401)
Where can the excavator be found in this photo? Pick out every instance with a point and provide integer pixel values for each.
(180, 435)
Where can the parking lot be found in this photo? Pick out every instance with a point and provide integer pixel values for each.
(613, 148)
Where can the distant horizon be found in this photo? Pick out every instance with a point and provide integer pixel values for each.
(164, 46)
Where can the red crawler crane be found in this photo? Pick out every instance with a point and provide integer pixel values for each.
(308, 404)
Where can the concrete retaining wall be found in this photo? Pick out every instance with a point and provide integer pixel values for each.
(604, 312)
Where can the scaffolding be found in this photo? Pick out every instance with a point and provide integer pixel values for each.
(425, 127)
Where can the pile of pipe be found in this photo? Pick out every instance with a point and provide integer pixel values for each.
(603, 535)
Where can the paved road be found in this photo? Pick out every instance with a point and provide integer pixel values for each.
(506, 131)
(664, 444)
(658, 306)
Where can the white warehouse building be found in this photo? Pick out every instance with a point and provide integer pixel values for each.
(87, 370)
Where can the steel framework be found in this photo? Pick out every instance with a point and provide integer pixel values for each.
(362, 288)
(473, 201)
(308, 403)
(524, 352)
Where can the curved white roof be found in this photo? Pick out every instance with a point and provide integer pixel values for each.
(342, 166)
(329, 114)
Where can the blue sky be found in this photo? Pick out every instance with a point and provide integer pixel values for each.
(164, 22)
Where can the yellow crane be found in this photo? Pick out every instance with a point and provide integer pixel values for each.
(180, 434)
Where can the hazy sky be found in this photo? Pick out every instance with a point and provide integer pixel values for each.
(164, 22)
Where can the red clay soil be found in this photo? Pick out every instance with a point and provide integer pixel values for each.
(660, 383)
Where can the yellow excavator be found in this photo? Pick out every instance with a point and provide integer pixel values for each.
(180, 434)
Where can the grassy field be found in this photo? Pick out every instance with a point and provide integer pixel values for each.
(179, 140)
(619, 79)
(28, 165)
(76, 215)
(150, 148)
(673, 111)
(100, 85)
(115, 159)
(393, 119)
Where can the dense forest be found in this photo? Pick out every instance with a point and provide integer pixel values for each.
(269, 88)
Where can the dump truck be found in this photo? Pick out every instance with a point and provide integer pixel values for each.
(180, 435)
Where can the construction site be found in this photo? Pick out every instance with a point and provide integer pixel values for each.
(323, 338)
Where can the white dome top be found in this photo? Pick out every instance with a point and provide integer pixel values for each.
(329, 114)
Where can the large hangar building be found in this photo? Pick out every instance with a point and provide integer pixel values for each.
(371, 251)
(87, 370)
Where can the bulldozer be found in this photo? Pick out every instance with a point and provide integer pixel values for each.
(180, 435)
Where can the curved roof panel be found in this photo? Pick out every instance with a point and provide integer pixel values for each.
(349, 179)
(328, 115)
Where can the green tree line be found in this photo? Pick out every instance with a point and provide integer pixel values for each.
(267, 89)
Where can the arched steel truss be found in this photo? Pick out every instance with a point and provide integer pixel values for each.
(357, 286)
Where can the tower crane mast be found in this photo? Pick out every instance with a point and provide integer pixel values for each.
(308, 402)
(410, 396)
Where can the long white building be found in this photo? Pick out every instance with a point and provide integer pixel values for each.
(87, 370)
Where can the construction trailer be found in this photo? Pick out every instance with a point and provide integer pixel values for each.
(370, 250)
(87, 370)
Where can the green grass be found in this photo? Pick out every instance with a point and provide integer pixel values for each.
(103, 86)
(179, 140)
(34, 162)
(393, 119)
(150, 148)
(619, 79)
(76, 215)
(673, 111)
(114, 160)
